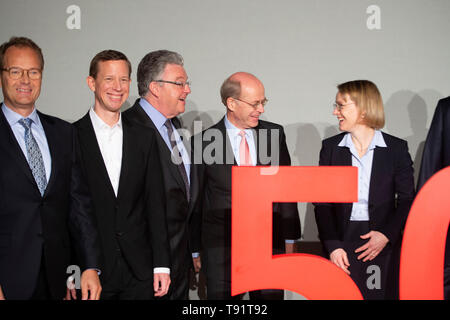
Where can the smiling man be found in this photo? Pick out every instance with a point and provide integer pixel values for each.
(163, 86)
(121, 163)
(250, 142)
(44, 203)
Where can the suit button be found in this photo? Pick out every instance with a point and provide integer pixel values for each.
(119, 234)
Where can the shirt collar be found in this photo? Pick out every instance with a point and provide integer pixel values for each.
(157, 117)
(234, 130)
(13, 117)
(377, 141)
(98, 123)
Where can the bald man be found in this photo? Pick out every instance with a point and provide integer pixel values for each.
(245, 140)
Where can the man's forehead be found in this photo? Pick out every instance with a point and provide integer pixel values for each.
(18, 54)
(174, 69)
(252, 88)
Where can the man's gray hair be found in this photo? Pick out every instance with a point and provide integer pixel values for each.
(152, 66)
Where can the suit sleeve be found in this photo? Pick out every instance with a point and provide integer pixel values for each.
(288, 212)
(325, 214)
(433, 151)
(82, 224)
(404, 189)
(155, 206)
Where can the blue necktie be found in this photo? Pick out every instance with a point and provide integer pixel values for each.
(180, 166)
(35, 160)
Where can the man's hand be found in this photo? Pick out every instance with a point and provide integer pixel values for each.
(197, 264)
(71, 294)
(289, 247)
(90, 285)
(373, 247)
(339, 258)
(2, 297)
(161, 283)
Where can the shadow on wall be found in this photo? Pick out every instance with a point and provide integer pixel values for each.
(306, 153)
(192, 115)
(419, 107)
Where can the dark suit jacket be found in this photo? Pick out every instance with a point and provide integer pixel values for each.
(436, 153)
(391, 191)
(134, 222)
(178, 208)
(32, 225)
(214, 201)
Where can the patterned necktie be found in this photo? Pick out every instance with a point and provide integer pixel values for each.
(34, 156)
(180, 166)
(244, 152)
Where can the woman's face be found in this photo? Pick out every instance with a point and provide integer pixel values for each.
(347, 112)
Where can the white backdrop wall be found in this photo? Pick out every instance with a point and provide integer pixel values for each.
(300, 49)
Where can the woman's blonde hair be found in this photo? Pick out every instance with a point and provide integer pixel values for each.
(367, 98)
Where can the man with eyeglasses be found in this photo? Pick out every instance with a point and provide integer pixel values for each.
(44, 202)
(163, 86)
(243, 140)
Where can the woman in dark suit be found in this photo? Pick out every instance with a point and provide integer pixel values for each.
(364, 238)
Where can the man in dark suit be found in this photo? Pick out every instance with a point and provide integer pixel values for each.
(436, 156)
(44, 203)
(121, 162)
(163, 87)
(240, 138)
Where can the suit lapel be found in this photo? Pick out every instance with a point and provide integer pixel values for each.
(165, 153)
(228, 154)
(258, 132)
(89, 143)
(343, 157)
(10, 145)
(51, 133)
(127, 155)
(380, 159)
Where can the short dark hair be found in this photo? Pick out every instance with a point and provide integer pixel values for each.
(20, 42)
(107, 55)
(230, 88)
(153, 65)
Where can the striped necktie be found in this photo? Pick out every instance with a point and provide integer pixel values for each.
(244, 151)
(34, 156)
(180, 166)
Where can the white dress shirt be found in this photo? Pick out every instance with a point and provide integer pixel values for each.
(360, 209)
(110, 141)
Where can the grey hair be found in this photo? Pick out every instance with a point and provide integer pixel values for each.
(152, 66)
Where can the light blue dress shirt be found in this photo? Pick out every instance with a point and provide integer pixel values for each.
(38, 133)
(159, 119)
(235, 139)
(360, 210)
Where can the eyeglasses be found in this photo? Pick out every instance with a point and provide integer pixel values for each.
(339, 107)
(16, 73)
(256, 104)
(177, 83)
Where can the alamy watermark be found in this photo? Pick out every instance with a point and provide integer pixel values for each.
(374, 280)
(213, 147)
(374, 20)
(73, 21)
(74, 281)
